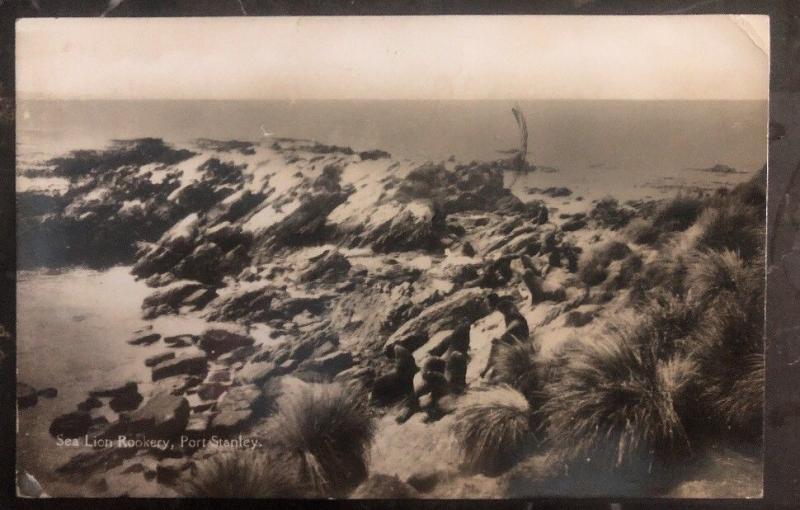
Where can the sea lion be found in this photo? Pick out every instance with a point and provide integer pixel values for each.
(435, 384)
(398, 384)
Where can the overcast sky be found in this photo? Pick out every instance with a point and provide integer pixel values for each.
(442, 57)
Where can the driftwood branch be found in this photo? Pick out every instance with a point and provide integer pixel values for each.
(520, 160)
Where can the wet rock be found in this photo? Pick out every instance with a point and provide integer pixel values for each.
(332, 266)
(216, 342)
(115, 391)
(89, 404)
(328, 366)
(420, 225)
(178, 384)
(125, 402)
(554, 192)
(464, 305)
(145, 339)
(169, 299)
(238, 354)
(158, 358)
(306, 224)
(237, 407)
(185, 364)
(256, 372)
(48, 393)
(70, 425)
(210, 391)
(26, 396)
(181, 340)
(164, 415)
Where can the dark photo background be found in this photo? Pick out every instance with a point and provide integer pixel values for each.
(782, 444)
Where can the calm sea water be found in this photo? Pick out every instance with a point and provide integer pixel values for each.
(616, 143)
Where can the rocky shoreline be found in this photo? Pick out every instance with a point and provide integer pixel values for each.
(339, 256)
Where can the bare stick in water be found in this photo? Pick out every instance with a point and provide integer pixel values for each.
(520, 158)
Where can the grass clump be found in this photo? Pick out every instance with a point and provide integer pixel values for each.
(667, 323)
(717, 273)
(641, 231)
(614, 404)
(733, 226)
(593, 268)
(330, 429)
(678, 214)
(241, 474)
(493, 429)
(516, 365)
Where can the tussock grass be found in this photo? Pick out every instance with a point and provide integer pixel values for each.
(493, 429)
(729, 354)
(733, 226)
(641, 231)
(593, 266)
(516, 365)
(242, 474)
(330, 429)
(613, 404)
(678, 214)
(667, 321)
(715, 273)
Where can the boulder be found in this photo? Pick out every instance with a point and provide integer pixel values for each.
(164, 415)
(197, 425)
(256, 372)
(114, 391)
(332, 266)
(238, 354)
(158, 358)
(329, 365)
(89, 404)
(210, 390)
(216, 342)
(74, 424)
(180, 340)
(237, 407)
(26, 396)
(426, 480)
(178, 384)
(465, 305)
(145, 339)
(185, 364)
(125, 402)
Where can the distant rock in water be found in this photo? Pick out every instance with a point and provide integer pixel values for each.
(719, 169)
(551, 192)
(26, 396)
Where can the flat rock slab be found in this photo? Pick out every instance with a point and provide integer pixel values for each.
(164, 415)
(185, 364)
(114, 391)
(145, 339)
(256, 373)
(328, 365)
(180, 340)
(158, 358)
(74, 424)
(217, 342)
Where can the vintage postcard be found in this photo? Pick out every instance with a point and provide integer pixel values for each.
(391, 257)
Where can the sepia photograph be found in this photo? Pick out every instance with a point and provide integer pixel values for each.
(449, 257)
